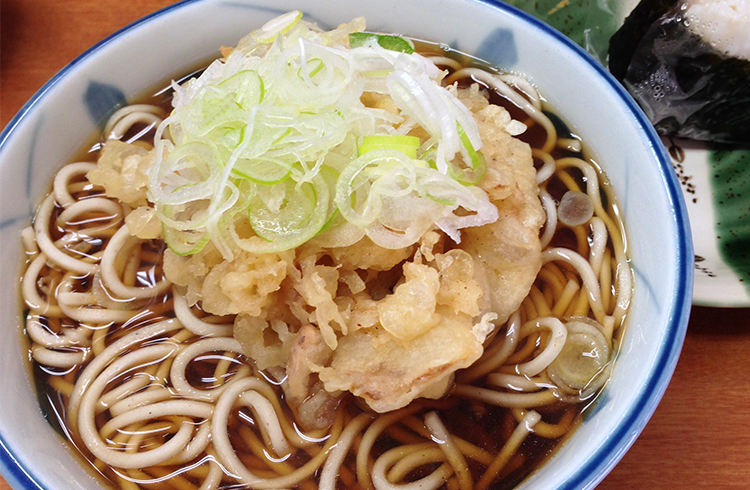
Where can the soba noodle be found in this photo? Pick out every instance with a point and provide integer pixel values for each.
(158, 394)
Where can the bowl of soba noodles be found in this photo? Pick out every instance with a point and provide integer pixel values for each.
(337, 245)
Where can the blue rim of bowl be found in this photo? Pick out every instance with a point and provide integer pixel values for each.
(617, 443)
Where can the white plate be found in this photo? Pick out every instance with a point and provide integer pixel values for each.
(717, 193)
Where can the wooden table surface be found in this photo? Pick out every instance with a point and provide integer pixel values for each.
(699, 437)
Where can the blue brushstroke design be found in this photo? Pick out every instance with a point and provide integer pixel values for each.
(640, 281)
(30, 167)
(10, 221)
(25, 216)
(602, 400)
(500, 47)
(103, 99)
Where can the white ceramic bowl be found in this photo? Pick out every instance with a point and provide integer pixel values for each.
(57, 120)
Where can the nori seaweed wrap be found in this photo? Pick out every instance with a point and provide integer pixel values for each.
(685, 69)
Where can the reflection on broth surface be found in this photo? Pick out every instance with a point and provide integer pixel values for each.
(330, 263)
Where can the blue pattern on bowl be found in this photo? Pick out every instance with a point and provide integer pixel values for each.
(102, 100)
(499, 46)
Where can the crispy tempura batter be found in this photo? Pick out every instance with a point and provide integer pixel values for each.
(508, 251)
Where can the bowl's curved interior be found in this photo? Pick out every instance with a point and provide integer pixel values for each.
(64, 113)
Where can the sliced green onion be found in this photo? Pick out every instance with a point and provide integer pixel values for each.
(264, 172)
(354, 177)
(318, 65)
(442, 200)
(405, 144)
(477, 162)
(469, 176)
(189, 216)
(253, 142)
(279, 25)
(301, 214)
(184, 242)
(473, 154)
(247, 86)
(330, 176)
(391, 43)
(187, 174)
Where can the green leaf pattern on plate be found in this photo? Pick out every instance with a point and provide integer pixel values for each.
(589, 23)
(730, 181)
